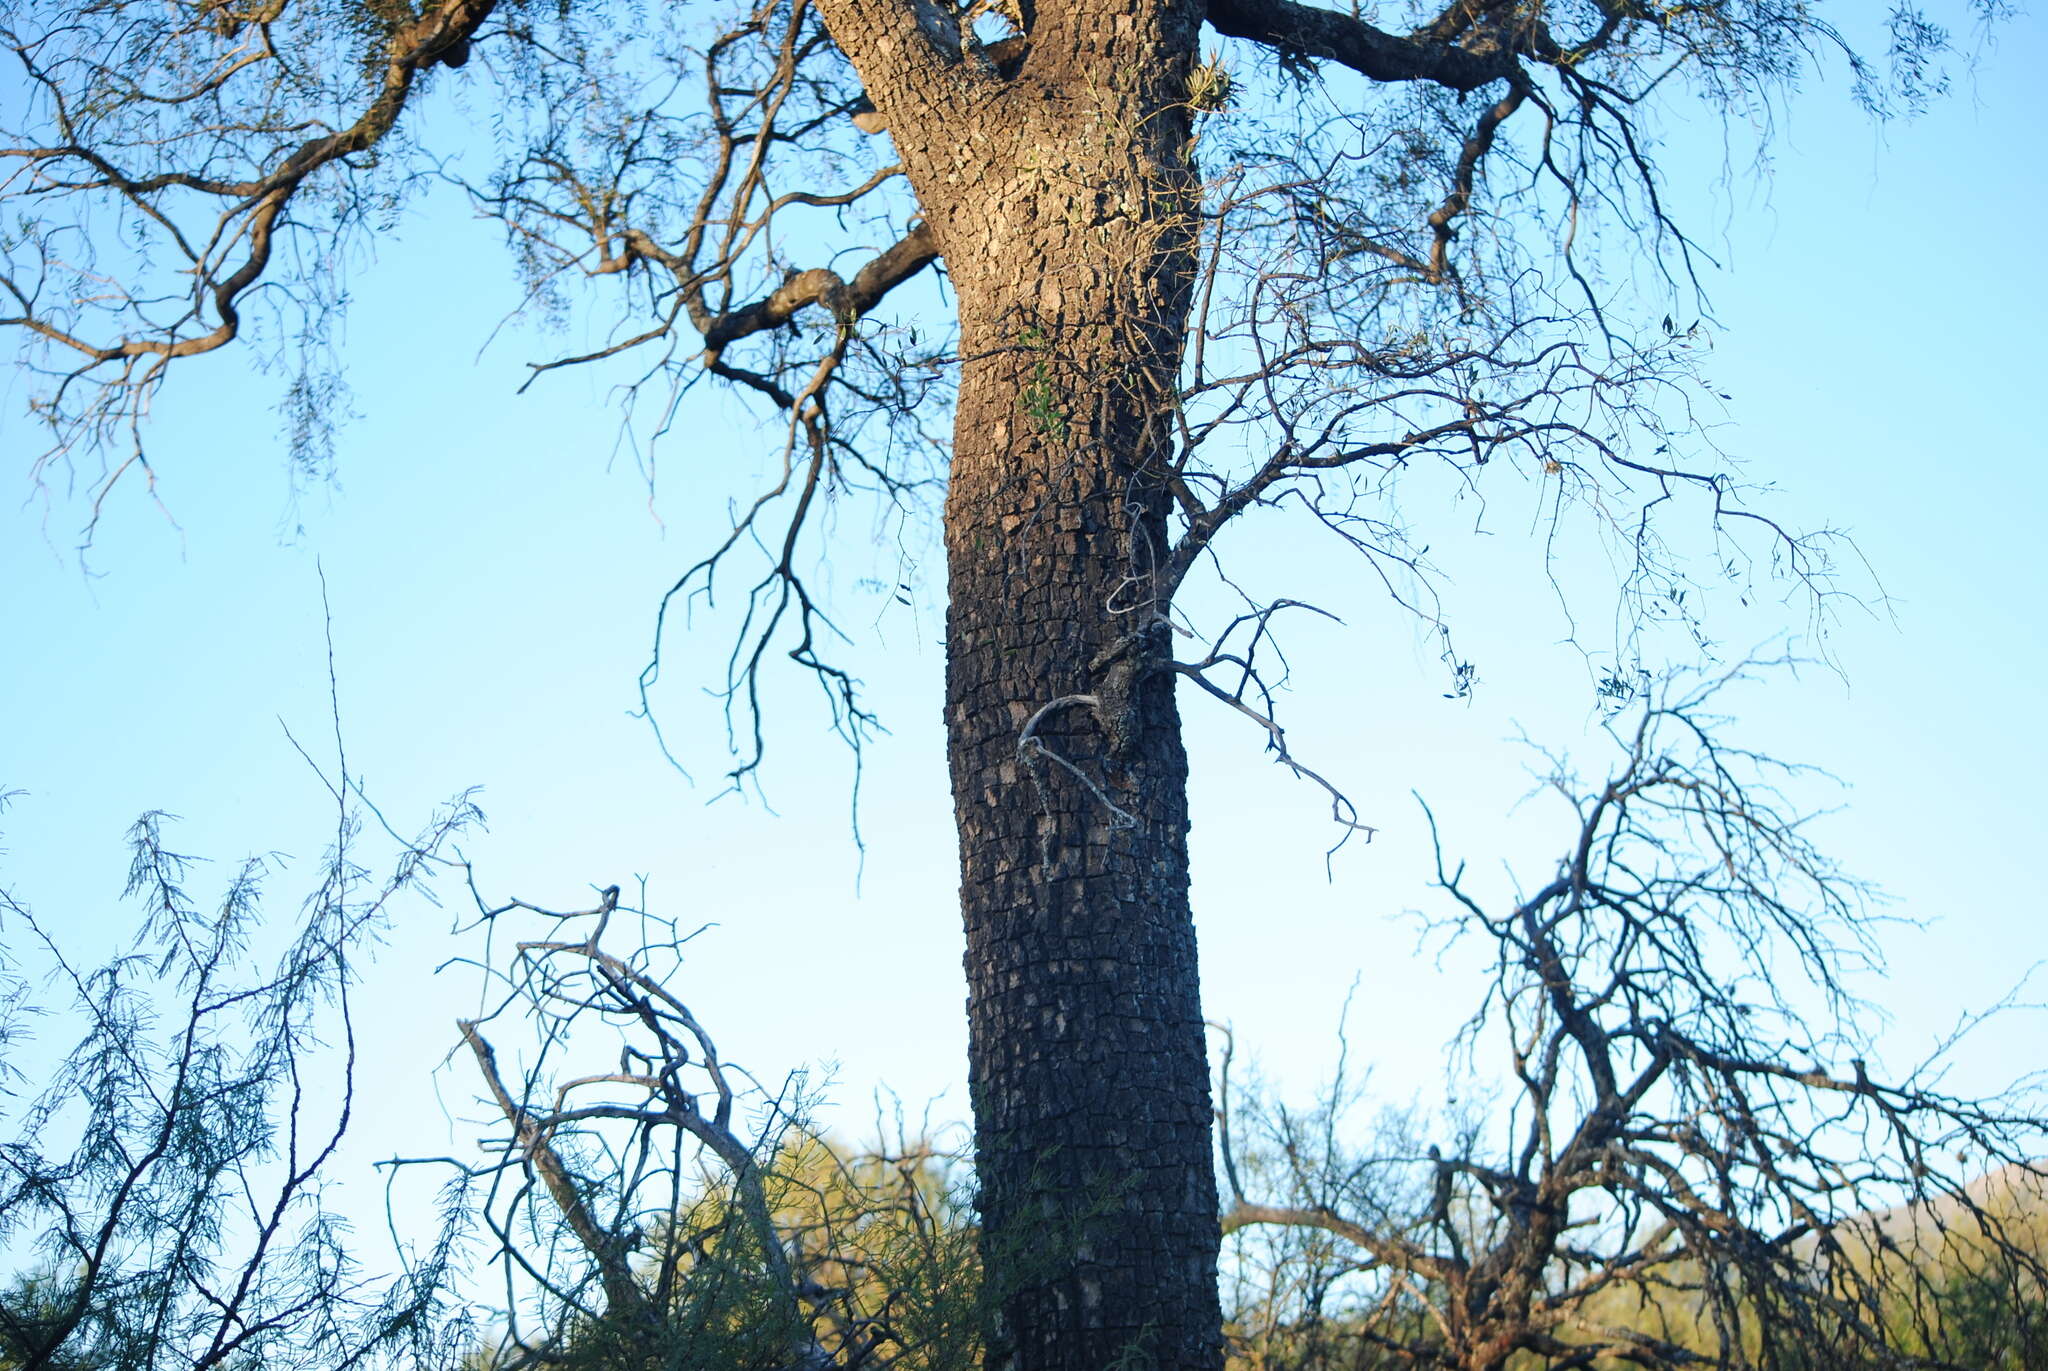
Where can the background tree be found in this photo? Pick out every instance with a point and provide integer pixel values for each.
(1691, 1161)
(162, 1178)
(653, 1206)
(1331, 301)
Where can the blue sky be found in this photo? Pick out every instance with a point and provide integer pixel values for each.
(493, 573)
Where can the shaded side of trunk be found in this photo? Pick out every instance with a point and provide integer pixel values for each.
(1088, 1065)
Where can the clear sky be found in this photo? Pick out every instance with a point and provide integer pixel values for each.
(494, 572)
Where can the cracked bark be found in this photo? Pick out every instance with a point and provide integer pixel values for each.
(1062, 199)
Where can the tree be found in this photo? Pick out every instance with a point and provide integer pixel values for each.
(1332, 258)
(162, 1179)
(655, 1207)
(1693, 1162)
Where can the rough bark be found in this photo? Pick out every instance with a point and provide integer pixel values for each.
(1061, 193)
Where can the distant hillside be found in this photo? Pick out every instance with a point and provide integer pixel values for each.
(2007, 1205)
(1958, 1277)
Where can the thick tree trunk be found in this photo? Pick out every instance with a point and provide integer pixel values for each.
(1063, 198)
(1088, 1065)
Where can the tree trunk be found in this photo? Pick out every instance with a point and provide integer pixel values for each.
(1088, 1066)
(1063, 198)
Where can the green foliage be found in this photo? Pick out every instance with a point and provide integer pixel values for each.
(1042, 399)
(1210, 88)
(160, 1189)
(1993, 1318)
(1967, 1308)
(880, 1245)
(683, 1217)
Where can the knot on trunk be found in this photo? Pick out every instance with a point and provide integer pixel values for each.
(1117, 672)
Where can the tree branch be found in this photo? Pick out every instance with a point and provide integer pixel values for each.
(1311, 31)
